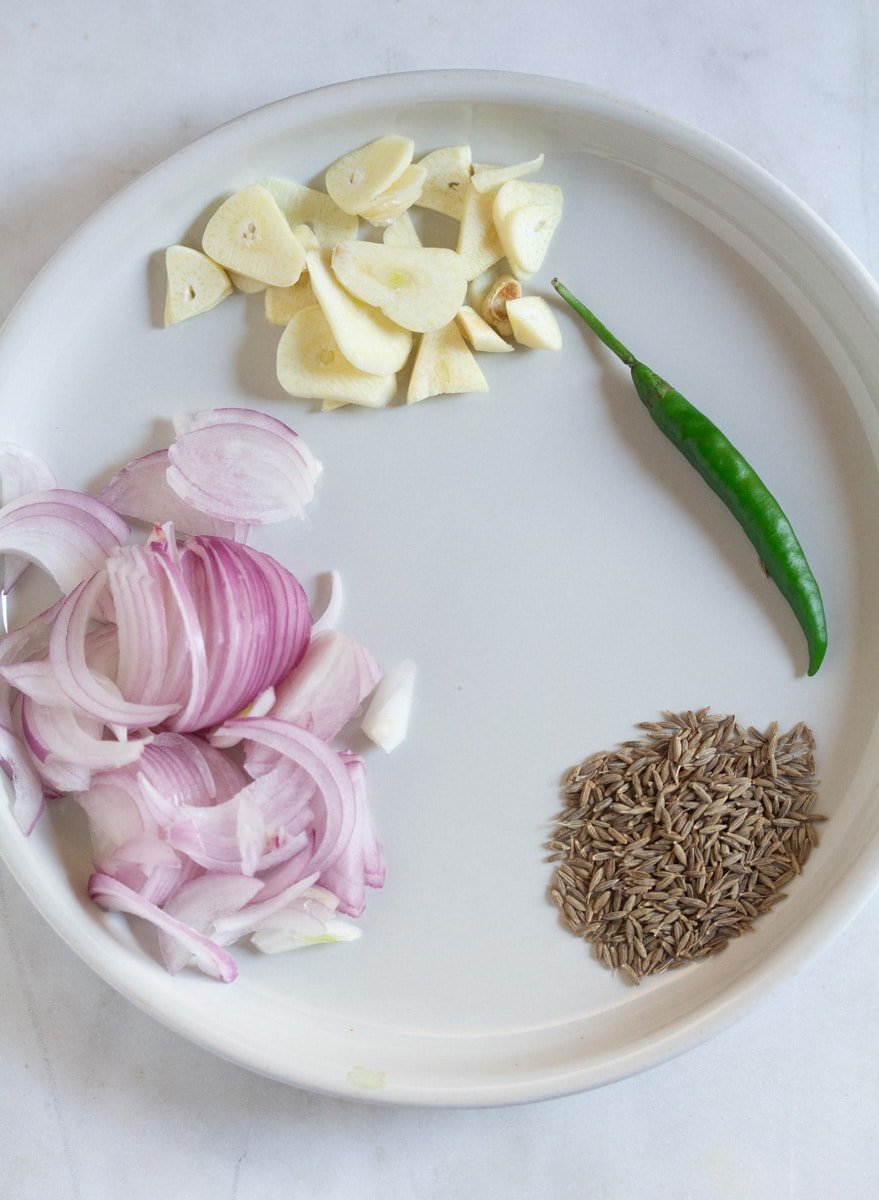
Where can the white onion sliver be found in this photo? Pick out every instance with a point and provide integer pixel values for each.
(387, 718)
(251, 916)
(333, 608)
(282, 941)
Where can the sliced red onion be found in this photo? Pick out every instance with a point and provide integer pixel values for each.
(28, 797)
(199, 904)
(208, 956)
(252, 916)
(70, 738)
(57, 775)
(31, 639)
(114, 810)
(277, 879)
(322, 693)
(239, 465)
(333, 799)
(67, 534)
(360, 863)
(180, 772)
(387, 718)
(135, 582)
(67, 655)
(141, 491)
(148, 866)
(187, 647)
(183, 636)
(175, 773)
(35, 679)
(256, 610)
(21, 473)
(328, 686)
(142, 850)
(261, 707)
(262, 825)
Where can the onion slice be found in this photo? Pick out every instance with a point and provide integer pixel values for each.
(334, 795)
(21, 473)
(67, 534)
(199, 904)
(328, 686)
(360, 863)
(236, 464)
(81, 686)
(252, 916)
(141, 491)
(116, 897)
(29, 800)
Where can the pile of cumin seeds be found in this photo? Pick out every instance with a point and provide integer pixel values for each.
(671, 845)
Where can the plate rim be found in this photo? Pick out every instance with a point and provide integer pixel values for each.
(845, 900)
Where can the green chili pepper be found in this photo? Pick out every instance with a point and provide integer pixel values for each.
(733, 479)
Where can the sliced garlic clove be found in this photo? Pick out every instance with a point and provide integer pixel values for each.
(401, 232)
(478, 242)
(249, 234)
(386, 720)
(243, 283)
(196, 284)
(486, 179)
(368, 339)
(311, 365)
(303, 205)
(448, 174)
(444, 365)
(356, 179)
(526, 215)
(534, 323)
(397, 199)
(479, 333)
(282, 304)
(492, 306)
(420, 288)
(306, 237)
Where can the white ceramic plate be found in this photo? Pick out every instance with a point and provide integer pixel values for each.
(554, 568)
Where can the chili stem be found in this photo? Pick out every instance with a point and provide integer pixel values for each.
(595, 325)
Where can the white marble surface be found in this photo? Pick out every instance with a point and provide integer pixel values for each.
(97, 1102)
